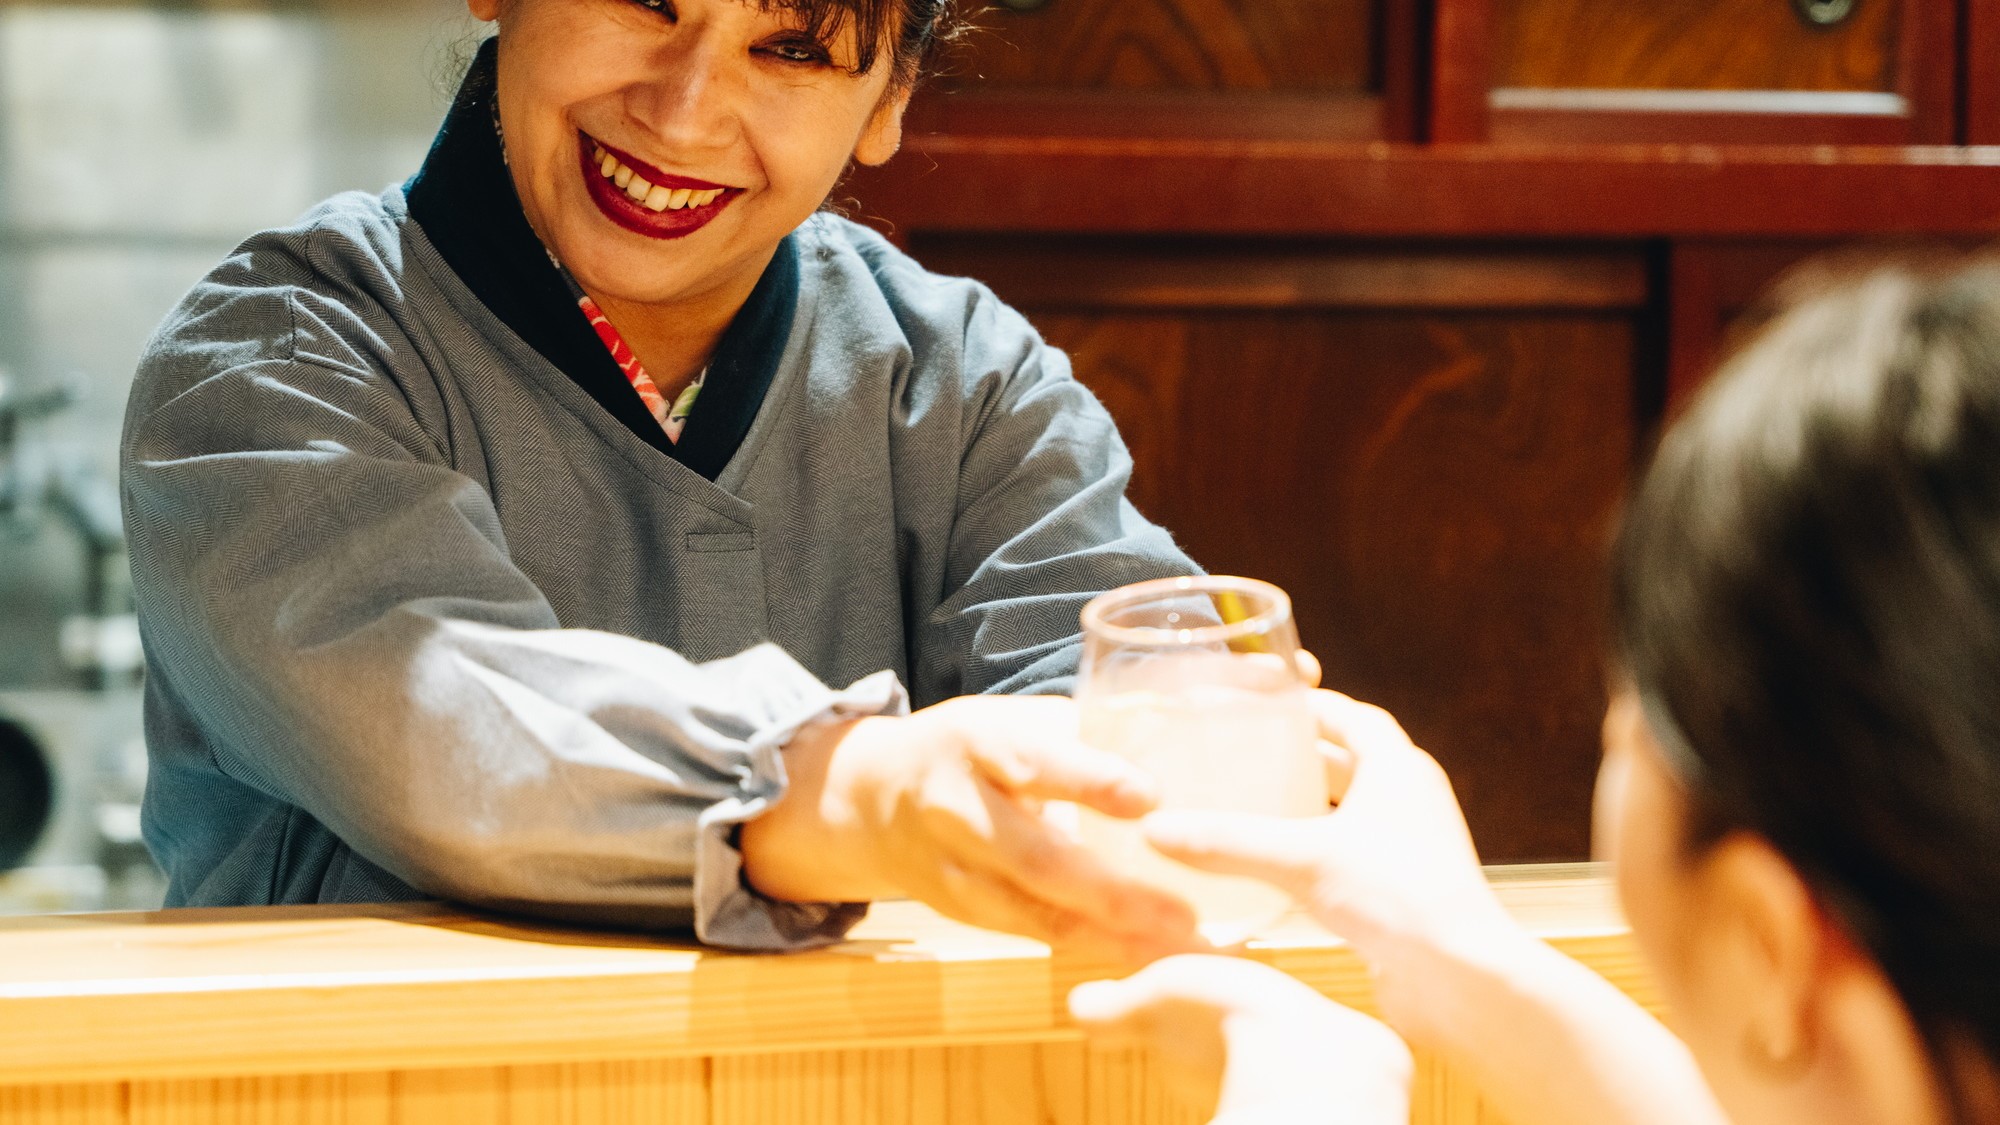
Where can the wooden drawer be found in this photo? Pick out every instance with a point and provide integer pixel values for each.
(1323, 69)
(1720, 71)
(1693, 45)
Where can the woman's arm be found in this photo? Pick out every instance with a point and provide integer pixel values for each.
(1039, 521)
(334, 610)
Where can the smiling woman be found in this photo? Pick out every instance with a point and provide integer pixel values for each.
(498, 537)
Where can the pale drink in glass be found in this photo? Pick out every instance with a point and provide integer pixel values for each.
(1195, 681)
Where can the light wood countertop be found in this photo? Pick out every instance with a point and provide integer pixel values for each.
(92, 998)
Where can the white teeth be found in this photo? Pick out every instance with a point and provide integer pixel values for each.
(654, 197)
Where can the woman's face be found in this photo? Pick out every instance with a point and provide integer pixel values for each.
(663, 151)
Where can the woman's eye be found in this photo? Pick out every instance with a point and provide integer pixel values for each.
(663, 7)
(802, 53)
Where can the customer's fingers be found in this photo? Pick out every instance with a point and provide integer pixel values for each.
(1362, 728)
(1308, 666)
(1286, 852)
(1339, 762)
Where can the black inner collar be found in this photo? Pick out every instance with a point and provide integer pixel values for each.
(464, 199)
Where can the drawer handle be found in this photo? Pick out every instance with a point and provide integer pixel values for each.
(1825, 13)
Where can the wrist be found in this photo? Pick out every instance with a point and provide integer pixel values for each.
(815, 843)
(1447, 991)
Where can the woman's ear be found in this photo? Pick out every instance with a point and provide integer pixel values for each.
(485, 11)
(884, 133)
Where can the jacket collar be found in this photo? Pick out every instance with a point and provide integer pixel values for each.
(463, 197)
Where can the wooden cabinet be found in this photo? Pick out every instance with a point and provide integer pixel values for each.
(1423, 444)
(1746, 71)
(1328, 69)
(1448, 266)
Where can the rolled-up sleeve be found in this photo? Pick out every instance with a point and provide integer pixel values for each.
(335, 608)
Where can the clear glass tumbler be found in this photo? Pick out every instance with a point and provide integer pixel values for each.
(1196, 681)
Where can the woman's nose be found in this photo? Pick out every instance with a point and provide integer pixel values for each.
(690, 102)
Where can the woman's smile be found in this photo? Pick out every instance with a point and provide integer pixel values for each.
(643, 199)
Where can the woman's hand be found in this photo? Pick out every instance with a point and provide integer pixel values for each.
(1258, 1045)
(1392, 869)
(944, 806)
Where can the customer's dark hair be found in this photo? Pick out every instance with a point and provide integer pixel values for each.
(1807, 596)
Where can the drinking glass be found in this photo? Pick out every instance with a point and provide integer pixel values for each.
(1196, 681)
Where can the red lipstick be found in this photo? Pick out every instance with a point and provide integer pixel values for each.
(635, 216)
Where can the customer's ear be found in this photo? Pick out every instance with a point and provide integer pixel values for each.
(1767, 947)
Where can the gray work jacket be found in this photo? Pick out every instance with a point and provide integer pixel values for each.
(422, 619)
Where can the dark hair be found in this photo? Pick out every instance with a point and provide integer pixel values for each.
(921, 27)
(1806, 595)
(918, 26)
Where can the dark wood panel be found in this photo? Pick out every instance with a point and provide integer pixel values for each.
(1296, 45)
(1434, 491)
(1052, 185)
(1461, 66)
(1709, 286)
(1695, 45)
(1323, 70)
(1712, 285)
(1124, 273)
(1247, 115)
(1981, 106)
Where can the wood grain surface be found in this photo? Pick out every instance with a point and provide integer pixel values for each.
(1296, 189)
(1434, 491)
(1693, 44)
(195, 994)
(1979, 62)
(418, 1015)
(1295, 45)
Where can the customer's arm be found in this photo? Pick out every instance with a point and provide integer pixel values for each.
(1394, 871)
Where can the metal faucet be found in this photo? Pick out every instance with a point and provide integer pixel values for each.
(24, 485)
(102, 643)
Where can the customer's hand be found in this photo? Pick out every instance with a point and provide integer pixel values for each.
(944, 806)
(1261, 1047)
(1392, 868)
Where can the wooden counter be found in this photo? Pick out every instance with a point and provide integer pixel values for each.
(427, 1016)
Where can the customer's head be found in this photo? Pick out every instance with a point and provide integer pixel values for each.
(1802, 778)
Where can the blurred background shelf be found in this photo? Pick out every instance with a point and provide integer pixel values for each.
(1390, 297)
